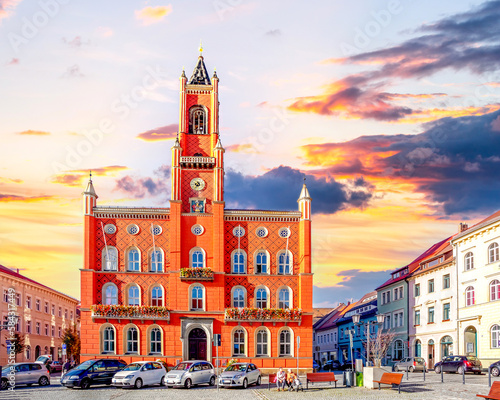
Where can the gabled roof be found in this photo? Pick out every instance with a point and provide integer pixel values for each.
(433, 250)
(446, 251)
(200, 75)
(492, 218)
(320, 315)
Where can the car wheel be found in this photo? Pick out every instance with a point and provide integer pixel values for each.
(4, 384)
(437, 370)
(188, 383)
(85, 384)
(169, 387)
(259, 380)
(212, 381)
(411, 369)
(495, 371)
(460, 370)
(245, 383)
(138, 383)
(162, 381)
(44, 381)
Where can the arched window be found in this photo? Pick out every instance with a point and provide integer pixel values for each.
(285, 343)
(157, 296)
(446, 346)
(28, 352)
(108, 340)
(155, 341)
(261, 298)
(109, 259)
(493, 252)
(197, 120)
(261, 342)
(495, 290)
(469, 261)
(197, 258)
(238, 297)
(284, 298)
(418, 348)
(495, 336)
(110, 294)
(239, 262)
(470, 299)
(156, 261)
(285, 262)
(398, 350)
(46, 349)
(197, 297)
(239, 342)
(261, 266)
(134, 296)
(132, 343)
(134, 263)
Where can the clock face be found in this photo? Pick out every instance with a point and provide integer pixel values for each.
(197, 184)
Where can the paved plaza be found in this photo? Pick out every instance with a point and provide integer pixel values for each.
(413, 388)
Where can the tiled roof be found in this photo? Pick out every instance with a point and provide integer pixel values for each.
(479, 225)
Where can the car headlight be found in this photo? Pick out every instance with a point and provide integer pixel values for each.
(129, 376)
(73, 377)
(238, 376)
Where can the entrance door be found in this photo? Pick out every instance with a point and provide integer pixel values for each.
(470, 337)
(431, 354)
(197, 344)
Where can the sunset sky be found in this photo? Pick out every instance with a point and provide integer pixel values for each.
(390, 109)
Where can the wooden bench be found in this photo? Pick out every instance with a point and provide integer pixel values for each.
(320, 377)
(390, 378)
(494, 393)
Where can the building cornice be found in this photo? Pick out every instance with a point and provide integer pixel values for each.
(473, 232)
(131, 212)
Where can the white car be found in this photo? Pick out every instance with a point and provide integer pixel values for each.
(240, 374)
(139, 374)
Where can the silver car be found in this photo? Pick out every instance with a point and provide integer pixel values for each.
(410, 363)
(25, 373)
(189, 373)
(240, 374)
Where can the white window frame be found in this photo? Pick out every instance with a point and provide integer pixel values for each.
(288, 291)
(133, 265)
(113, 256)
(240, 341)
(284, 268)
(258, 301)
(162, 302)
(494, 290)
(237, 303)
(290, 342)
(469, 261)
(493, 252)
(104, 293)
(138, 297)
(238, 267)
(256, 263)
(196, 264)
(203, 299)
(470, 296)
(155, 265)
(263, 346)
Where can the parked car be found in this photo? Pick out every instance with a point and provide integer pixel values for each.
(55, 366)
(459, 364)
(495, 368)
(139, 374)
(26, 373)
(92, 372)
(189, 373)
(45, 359)
(331, 365)
(240, 374)
(410, 363)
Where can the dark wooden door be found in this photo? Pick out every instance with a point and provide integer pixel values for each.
(197, 344)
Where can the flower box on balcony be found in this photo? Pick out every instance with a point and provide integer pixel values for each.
(129, 312)
(197, 274)
(263, 314)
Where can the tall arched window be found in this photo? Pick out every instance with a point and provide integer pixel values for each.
(261, 298)
(493, 252)
(110, 295)
(284, 298)
(261, 266)
(28, 352)
(108, 340)
(398, 350)
(157, 296)
(239, 262)
(285, 262)
(238, 298)
(156, 261)
(132, 343)
(197, 120)
(109, 259)
(469, 261)
(197, 297)
(495, 290)
(239, 342)
(446, 346)
(418, 348)
(134, 296)
(285, 343)
(261, 343)
(495, 336)
(470, 299)
(197, 259)
(134, 263)
(155, 341)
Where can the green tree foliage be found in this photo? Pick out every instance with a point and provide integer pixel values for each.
(72, 341)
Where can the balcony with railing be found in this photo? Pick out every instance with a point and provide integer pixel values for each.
(197, 162)
(247, 314)
(129, 312)
(196, 274)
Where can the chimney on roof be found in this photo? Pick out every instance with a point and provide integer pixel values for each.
(462, 226)
(18, 270)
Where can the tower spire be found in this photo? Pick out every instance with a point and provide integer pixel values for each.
(200, 74)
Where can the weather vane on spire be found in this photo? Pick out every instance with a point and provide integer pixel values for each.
(201, 49)
(90, 176)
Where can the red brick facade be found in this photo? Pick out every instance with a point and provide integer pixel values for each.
(189, 310)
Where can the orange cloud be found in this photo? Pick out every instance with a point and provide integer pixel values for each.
(162, 133)
(246, 148)
(7, 7)
(34, 132)
(78, 177)
(151, 15)
(10, 180)
(4, 198)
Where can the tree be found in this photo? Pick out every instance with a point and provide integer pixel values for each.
(17, 344)
(379, 345)
(72, 341)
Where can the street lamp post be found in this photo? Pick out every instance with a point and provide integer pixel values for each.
(356, 320)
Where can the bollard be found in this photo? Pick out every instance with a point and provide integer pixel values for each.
(407, 372)
(441, 367)
(489, 376)
(463, 375)
(424, 373)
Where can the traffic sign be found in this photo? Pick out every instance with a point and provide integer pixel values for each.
(217, 340)
(64, 349)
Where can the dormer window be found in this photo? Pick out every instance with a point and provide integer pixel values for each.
(197, 120)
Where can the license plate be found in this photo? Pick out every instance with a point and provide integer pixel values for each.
(227, 381)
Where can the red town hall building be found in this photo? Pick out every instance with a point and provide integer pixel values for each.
(158, 283)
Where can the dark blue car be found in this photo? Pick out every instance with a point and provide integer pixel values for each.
(92, 372)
